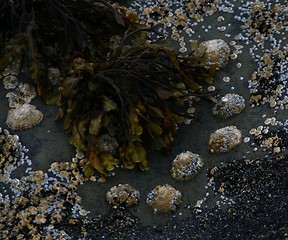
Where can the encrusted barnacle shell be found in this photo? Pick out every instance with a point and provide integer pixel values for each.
(224, 139)
(186, 165)
(14, 100)
(27, 92)
(123, 195)
(10, 82)
(217, 51)
(24, 93)
(23, 117)
(229, 105)
(164, 198)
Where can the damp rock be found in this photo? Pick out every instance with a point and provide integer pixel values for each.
(23, 117)
(164, 198)
(123, 195)
(53, 76)
(186, 165)
(229, 105)
(224, 139)
(217, 52)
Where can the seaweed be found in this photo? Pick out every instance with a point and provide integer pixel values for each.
(133, 96)
(118, 94)
(51, 33)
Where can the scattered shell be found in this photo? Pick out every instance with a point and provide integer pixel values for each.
(229, 105)
(218, 52)
(224, 139)
(226, 79)
(23, 117)
(10, 82)
(123, 195)
(186, 165)
(164, 198)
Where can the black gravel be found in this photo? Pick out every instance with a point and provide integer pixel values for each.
(260, 192)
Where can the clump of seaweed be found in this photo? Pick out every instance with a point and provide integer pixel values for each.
(74, 29)
(131, 96)
(118, 93)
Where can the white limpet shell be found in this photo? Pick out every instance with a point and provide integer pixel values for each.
(186, 165)
(164, 198)
(218, 52)
(123, 195)
(224, 139)
(23, 117)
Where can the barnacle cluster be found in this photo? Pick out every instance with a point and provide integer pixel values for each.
(40, 201)
(12, 154)
(123, 195)
(264, 19)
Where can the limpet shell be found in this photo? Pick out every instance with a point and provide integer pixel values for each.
(186, 165)
(224, 139)
(123, 195)
(164, 198)
(218, 52)
(23, 117)
(229, 105)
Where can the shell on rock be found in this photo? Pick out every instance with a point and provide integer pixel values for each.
(123, 195)
(224, 139)
(186, 165)
(217, 51)
(23, 117)
(229, 105)
(164, 198)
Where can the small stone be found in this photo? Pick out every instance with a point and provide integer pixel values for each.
(164, 198)
(224, 139)
(186, 165)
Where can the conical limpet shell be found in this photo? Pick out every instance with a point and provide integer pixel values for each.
(23, 117)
